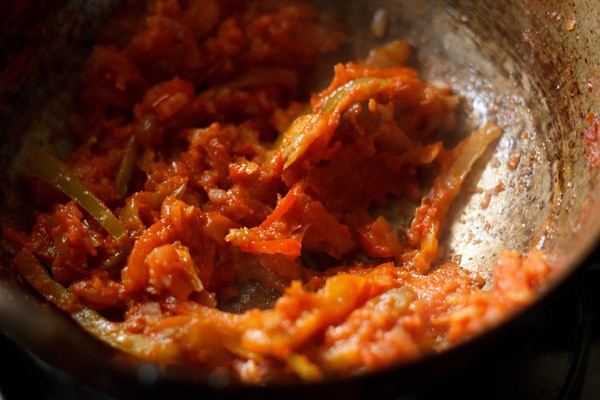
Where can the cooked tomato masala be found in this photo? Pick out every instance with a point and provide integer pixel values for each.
(216, 214)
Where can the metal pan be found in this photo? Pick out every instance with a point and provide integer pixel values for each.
(530, 65)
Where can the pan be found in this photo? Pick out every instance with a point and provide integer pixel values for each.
(529, 65)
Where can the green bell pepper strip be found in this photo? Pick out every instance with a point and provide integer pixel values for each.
(53, 171)
(126, 167)
(321, 124)
(339, 100)
(112, 333)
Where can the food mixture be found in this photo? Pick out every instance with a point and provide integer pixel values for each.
(213, 216)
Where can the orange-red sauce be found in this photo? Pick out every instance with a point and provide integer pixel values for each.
(234, 191)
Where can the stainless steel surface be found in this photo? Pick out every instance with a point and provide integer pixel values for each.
(520, 64)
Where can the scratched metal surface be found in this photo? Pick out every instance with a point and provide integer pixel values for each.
(529, 66)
